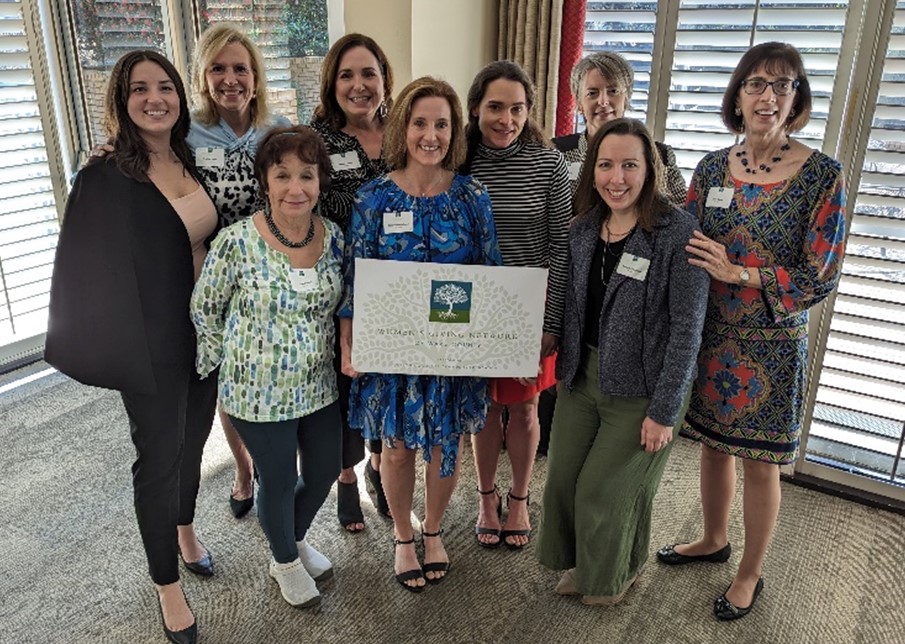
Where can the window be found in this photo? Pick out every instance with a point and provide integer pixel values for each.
(28, 212)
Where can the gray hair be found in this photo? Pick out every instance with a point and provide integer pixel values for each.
(611, 66)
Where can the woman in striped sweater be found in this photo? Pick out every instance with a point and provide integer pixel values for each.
(528, 183)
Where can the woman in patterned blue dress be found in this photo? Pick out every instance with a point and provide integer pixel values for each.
(772, 216)
(451, 223)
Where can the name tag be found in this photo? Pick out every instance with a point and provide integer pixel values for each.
(574, 170)
(209, 157)
(719, 197)
(397, 222)
(345, 161)
(633, 266)
(303, 280)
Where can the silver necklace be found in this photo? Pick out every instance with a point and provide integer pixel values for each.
(280, 237)
(606, 248)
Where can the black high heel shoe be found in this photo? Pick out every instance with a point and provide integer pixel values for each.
(510, 497)
(479, 530)
(372, 476)
(185, 636)
(241, 507)
(408, 575)
(204, 567)
(434, 566)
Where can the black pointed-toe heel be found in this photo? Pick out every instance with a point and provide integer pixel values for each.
(185, 636)
(203, 567)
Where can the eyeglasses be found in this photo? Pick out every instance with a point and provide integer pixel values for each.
(781, 86)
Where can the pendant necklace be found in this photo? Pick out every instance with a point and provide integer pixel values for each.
(280, 237)
(606, 247)
(763, 167)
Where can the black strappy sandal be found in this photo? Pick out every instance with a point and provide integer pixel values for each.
(513, 533)
(479, 530)
(434, 566)
(409, 575)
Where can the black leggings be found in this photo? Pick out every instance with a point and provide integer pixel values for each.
(353, 447)
(169, 430)
(287, 501)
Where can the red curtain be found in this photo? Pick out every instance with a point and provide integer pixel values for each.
(570, 50)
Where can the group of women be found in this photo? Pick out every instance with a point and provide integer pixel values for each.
(644, 298)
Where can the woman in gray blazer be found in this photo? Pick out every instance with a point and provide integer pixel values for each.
(631, 331)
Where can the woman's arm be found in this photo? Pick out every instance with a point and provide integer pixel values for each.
(559, 213)
(210, 300)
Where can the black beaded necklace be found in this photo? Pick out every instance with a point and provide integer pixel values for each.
(272, 227)
(763, 167)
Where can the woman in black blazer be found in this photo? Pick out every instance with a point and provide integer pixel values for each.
(132, 243)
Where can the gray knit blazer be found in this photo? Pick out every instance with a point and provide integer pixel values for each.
(650, 331)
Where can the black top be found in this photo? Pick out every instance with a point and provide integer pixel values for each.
(603, 264)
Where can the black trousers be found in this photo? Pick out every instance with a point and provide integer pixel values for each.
(353, 444)
(169, 430)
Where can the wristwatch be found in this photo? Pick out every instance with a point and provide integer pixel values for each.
(743, 277)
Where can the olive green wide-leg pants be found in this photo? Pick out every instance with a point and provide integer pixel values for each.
(600, 486)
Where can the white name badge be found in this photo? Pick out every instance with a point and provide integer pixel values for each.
(719, 197)
(574, 170)
(209, 157)
(397, 222)
(633, 266)
(303, 280)
(345, 161)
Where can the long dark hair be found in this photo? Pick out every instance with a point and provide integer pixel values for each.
(652, 205)
(130, 150)
(329, 111)
(507, 70)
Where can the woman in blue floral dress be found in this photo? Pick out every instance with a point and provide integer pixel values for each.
(772, 215)
(451, 222)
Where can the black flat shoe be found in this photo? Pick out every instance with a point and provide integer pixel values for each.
(348, 505)
(670, 557)
(726, 611)
(185, 636)
(204, 567)
(372, 476)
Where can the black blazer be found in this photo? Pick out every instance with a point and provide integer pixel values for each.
(122, 282)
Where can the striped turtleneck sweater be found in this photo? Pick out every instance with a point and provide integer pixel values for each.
(529, 189)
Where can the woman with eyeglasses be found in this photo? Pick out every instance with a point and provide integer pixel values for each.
(772, 215)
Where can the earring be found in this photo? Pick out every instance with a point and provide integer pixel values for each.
(738, 111)
(382, 110)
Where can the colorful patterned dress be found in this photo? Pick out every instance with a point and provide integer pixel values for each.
(455, 227)
(748, 397)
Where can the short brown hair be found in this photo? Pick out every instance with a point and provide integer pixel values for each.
(329, 111)
(651, 204)
(299, 140)
(209, 45)
(612, 66)
(775, 58)
(395, 151)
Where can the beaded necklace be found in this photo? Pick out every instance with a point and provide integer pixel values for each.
(763, 167)
(280, 237)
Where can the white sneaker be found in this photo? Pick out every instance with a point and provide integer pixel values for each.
(296, 585)
(317, 565)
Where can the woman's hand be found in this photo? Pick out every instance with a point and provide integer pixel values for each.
(345, 348)
(654, 436)
(711, 256)
(549, 343)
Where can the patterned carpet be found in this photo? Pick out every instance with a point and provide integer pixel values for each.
(74, 571)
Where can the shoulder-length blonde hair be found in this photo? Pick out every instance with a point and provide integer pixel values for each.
(652, 205)
(211, 43)
(395, 150)
(329, 111)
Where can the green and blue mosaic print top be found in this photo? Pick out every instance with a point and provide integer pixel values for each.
(272, 340)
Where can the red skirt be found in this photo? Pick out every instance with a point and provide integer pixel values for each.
(508, 391)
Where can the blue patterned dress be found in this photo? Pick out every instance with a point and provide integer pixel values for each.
(455, 227)
(748, 397)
